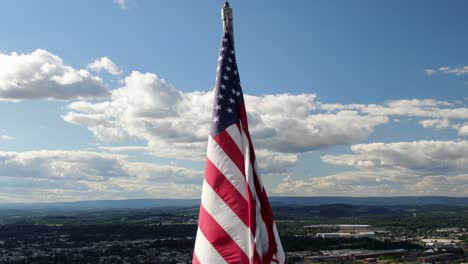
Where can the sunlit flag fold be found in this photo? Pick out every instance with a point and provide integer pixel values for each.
(236, 222)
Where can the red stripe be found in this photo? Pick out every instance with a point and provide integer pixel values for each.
(266, 212)
(225, 141)
(195, 259)
(221, 241)
(224, 188)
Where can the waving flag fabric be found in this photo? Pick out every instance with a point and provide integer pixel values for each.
(236, 223)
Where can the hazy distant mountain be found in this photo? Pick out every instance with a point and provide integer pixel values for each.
(153, 203)
(107, 204)
(400, 200)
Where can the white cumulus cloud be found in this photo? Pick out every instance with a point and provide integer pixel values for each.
(435, 123)
(390, 169)
(5, 137)
(429, 72)
(106, 64)
(60, 175)
(434, 114)
(121, 3)
(463, 130)
(462, 70)
(416, 157)
(374, 183)
(175, 124)
(43, 75)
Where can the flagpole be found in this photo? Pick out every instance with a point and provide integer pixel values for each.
(226, 16)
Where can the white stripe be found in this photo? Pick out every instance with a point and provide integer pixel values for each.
(219, 158)
(226, 218)
(226, 166)
(260, 240)
(236, 136)
(247, 165)
(205, 252)
(261, 233)
(246, 145)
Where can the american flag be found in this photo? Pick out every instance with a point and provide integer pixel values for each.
(236, 222)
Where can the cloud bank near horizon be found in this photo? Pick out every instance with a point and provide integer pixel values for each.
(171, 124)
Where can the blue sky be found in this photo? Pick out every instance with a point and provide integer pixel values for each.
(107, 99)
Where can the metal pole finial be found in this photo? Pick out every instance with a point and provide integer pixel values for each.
(226, 12)
(226, 16)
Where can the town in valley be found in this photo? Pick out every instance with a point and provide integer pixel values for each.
(310, 233)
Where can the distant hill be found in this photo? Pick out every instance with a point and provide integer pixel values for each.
(399, 200)
(106, 204)
(276, 201)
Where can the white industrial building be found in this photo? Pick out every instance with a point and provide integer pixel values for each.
(346, 235)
